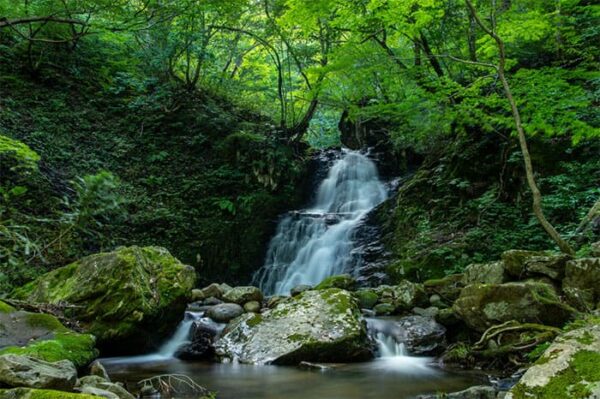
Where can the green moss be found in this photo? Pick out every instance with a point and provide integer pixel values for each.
(571, 383)
(366, 298)
(6, 308)
(78, 348)
(27, 393)
(26, 158)
(45, 321)
(343, 281)
(254, 320)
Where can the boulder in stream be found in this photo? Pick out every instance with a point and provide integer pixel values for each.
(315, 326)
(129, 298)
(225, 312)
(241, 295)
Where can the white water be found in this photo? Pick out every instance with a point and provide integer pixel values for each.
(313, 244)
(168, 349)
(392, 355)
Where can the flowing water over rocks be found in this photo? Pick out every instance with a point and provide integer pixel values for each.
(315, 243)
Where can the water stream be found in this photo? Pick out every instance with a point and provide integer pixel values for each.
(315, 243)
(308, 246)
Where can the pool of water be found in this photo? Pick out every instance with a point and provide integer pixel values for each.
(384, 378)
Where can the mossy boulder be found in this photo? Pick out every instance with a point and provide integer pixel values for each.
(129, 298)
(342, 281)
(43, 336)
(514, 260)
(569, 369)
(241, 295)
(403, 296)
(315, 326)
(581, 284)
(367, 298)
(28, 393)
(448, 288)
(481, 306)
(485, 273)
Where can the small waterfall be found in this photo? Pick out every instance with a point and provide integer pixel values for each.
(180, 337)
(392, 354)
(312, 244)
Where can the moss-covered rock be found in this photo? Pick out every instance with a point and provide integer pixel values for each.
(132, 296)
(514, 260)
(483, 305)
(241, 295)
(342, 281)
(448, 288)
(27, 393)
(43, 336)
(403, 296)
(316, 326)
(568, 369)
(581, 284)
(367, 298)
(485, 273)
(26, 371)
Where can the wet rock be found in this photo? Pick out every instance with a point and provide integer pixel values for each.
(129, 298)
(212, 301)
(582, 283)
(420, 335)
(483, 305)
(252, 306)
(567, 369)
(431, 311)
(476, 392)
(241, 295)
(315, 326)
(485, 273)
(225, 312)
(299, 289)
(342, 281)
(27, 371)
(552, 266)
(275, 300)
(201, 344)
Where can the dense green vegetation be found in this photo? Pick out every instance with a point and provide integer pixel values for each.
(187, 124)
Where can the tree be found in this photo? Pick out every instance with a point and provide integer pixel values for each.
(500, 68)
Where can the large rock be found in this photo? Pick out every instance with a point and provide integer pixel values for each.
(241, 295)
(133, 296)
(485, 273)
(514, 260)
(29, 393)
(484, 305)
(211, 291)
(569, 368)
(225, 312)
(521, 264)
(29, 372)
(404, 296)
(448, 288)
(582, 283)
(44, 337)
(315, 326)
(201, 341)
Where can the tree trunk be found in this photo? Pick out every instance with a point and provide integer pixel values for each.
(535, 191)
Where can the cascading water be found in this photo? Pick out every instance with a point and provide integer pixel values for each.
(392, 354)
(312, 244)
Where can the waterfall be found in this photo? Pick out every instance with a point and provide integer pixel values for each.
(392, 354)
(315, 243)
